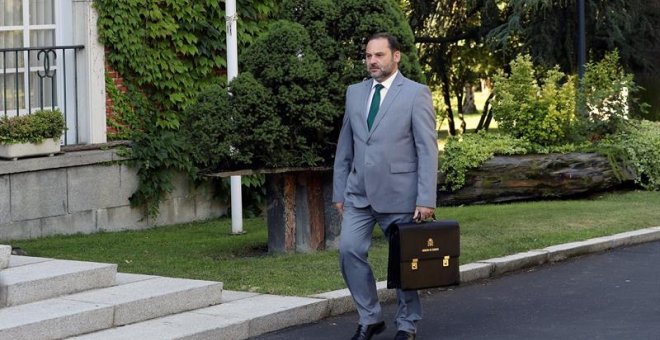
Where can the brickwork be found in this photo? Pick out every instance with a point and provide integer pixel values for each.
(118, 81)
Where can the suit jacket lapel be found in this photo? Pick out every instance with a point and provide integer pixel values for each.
(366, 90)
(392, 93)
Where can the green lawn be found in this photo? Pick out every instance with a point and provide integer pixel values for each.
(207, 250)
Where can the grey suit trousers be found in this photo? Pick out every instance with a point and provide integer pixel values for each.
(355, 240)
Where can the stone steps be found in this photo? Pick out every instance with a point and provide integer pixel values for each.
(54, 299)
(53, 319)
(243, 318)
(30, 279)
(5, 253)
(152, 298)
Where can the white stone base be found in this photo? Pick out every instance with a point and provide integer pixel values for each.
(14, 151)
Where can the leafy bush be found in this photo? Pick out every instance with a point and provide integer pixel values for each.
(230, 131)
(541, 106)
(469, 151)
(32, 128)
(156, 151)
(607, 97)
(167, 52)
(541, 111)
(638, 146)
(285, 63)
(290, 111)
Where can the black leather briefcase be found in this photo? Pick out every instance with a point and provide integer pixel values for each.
(423, 255)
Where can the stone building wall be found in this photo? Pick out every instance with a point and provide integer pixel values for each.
(87, 192)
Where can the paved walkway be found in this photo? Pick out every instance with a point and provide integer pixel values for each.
(610, 295)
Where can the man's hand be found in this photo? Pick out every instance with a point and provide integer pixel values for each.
(422, 214)
(340, 208)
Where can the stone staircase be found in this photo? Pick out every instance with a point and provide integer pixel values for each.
(43, 298)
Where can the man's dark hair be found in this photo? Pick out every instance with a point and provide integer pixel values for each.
(392, 40)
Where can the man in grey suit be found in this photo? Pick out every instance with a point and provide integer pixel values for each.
(385, 172)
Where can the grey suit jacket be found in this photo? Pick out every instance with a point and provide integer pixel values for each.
(393, 167)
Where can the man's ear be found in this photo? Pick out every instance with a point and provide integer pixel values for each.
(396, 56)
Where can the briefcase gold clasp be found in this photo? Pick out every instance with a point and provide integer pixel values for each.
(413, 265)
(445, 261)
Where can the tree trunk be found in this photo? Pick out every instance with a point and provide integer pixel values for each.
(459, 96)
(468, 103)
(514, 178)
(447, 98)
(446, 92)
(486, 115)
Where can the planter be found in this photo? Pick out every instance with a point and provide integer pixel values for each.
(15, 151)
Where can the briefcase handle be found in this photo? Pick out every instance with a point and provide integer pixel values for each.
(428, 220)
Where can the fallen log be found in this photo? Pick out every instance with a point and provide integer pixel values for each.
(528, 177)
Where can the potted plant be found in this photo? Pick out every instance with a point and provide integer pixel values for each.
(35, 134)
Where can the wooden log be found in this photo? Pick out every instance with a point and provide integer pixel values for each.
(300, 215)
(515, 178)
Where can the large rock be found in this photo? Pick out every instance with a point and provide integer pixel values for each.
(513, 178)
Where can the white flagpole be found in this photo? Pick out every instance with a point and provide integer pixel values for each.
(232, 71)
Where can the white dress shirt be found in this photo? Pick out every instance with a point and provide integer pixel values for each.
(383, 92)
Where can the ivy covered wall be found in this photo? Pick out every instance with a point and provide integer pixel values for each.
(171, 49)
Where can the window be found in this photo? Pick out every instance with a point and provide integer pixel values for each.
(27, 23)
(33, 78)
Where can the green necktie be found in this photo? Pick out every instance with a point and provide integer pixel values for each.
(375, 103)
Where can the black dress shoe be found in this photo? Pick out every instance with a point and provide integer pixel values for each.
(403, 335)
(366, 332)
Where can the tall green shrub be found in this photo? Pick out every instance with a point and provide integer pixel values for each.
(541, 106)
(608, 96)
(284, 62)
(361, 18)
(217, 112)
(637, 144)
(305, 62)
(534, 106)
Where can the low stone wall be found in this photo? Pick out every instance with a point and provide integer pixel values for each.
(87, 192)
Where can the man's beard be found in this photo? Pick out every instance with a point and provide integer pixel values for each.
(382, 73)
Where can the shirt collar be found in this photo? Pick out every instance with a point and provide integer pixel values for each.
(388, 82)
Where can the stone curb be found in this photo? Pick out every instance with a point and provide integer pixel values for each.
(340, 302)
(242, 315)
